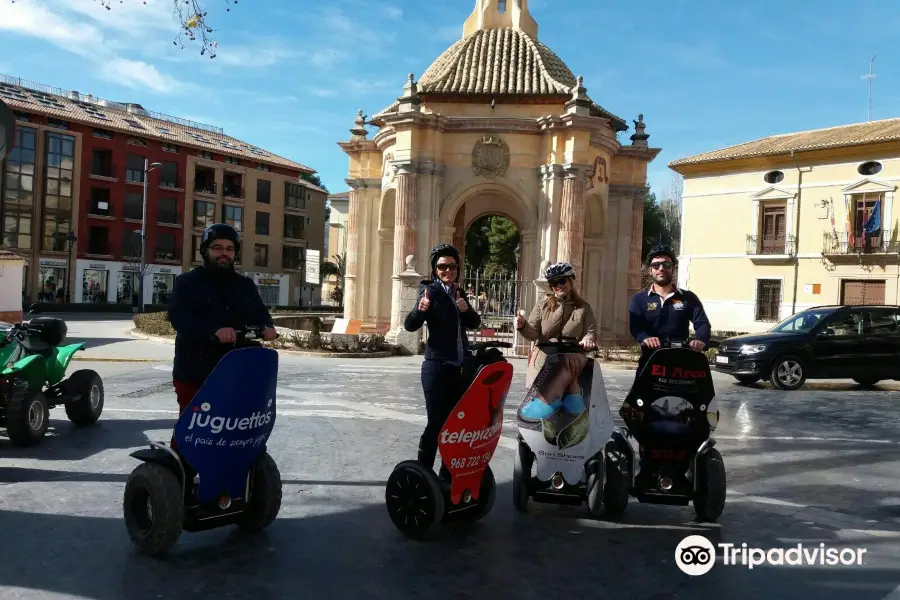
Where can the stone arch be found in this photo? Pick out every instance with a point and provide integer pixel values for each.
(595, 213)
(595, 258)
(384, 256)
(524, 213)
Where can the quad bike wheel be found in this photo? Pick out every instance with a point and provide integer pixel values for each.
(265, 495)
(522, 476)
(486, 495)
(415, 500)
(710, 499)
(154, 508)
(88, 386)
(27, 415)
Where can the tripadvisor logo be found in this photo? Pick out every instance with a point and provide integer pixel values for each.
(201, 418)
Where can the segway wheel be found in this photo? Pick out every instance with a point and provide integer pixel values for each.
(154, 508)
(415, 500)
(486, 495)
(594, 489)
(617, 489)
(265, 495)
(710, 499)
(522, 476)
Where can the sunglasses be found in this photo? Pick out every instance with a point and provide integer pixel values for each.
(557, 282)
(661, 265)
(446, 267)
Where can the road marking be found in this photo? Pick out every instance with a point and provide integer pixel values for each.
(791, 438)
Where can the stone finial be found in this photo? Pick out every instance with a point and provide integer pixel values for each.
(579, 104)
(411, 262)
(359, 127)
(640, 137)
(410, 100)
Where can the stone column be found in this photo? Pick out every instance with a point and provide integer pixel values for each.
(405, 217)
(351, 270)
(571, 220)
(407, 341)
(637, 237)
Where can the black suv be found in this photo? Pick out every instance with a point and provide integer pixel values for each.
(861, 343)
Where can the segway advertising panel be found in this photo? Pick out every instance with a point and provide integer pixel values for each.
(470, 435)
(672, 407)
(225, 427)
(581, 421)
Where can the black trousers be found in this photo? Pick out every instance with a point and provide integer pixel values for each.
(442, 385)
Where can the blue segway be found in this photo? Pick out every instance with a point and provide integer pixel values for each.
(220, 474)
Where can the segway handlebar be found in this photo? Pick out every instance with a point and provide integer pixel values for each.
(682, 343)
(563, 344)
(483, 345)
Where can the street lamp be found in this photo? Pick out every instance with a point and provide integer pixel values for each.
(147, 169)
(72, 239)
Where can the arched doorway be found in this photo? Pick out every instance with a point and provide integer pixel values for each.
(384, 288)
(497, 254)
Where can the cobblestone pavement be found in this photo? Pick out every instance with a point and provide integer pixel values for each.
(819, 465)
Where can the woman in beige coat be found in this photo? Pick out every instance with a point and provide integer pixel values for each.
(562, 313)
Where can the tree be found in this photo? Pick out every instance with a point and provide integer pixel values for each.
(315, 180)
(192, 18)
(338, 268)
(671, 211)
(491, 244)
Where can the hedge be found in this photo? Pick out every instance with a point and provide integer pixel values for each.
(158, 324)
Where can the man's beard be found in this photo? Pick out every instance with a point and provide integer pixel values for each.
(225, 265)
(663, 279)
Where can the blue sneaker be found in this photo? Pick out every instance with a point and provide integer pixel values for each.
(537, 409)
(573, 404)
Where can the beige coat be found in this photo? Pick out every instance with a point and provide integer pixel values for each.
(568, 321)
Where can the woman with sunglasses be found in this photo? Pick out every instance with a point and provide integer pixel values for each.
(562, 313)
(445, 309)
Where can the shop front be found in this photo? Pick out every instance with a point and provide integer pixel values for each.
(273, 288)
(111, 282)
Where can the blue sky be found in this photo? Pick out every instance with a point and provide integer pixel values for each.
(290, 74)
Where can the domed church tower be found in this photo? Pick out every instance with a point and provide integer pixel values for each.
(497, 125)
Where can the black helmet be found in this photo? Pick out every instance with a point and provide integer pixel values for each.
(444, 250)
(220, 231)
(559, 271)
(662, 250)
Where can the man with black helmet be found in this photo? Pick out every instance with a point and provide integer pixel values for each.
(207, 305)
(444, 308)
(664, 311)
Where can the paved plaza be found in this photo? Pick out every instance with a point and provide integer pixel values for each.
(819, 465)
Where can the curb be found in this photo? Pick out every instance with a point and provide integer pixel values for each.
(383, 354)
(117, 360)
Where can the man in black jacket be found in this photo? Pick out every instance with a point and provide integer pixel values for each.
(206, 306)
(448, 314)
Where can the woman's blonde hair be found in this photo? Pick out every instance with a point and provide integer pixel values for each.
(553, 302)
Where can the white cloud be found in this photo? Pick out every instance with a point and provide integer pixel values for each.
(323, 93)
(137, 74)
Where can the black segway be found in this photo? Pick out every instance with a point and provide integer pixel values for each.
(670, 413)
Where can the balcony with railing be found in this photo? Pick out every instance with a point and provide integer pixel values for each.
(233, 186)
(772, 247)
(883, 241)
(205, 181)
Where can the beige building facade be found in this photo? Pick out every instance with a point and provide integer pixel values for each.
(785, 223)
(279, 218)
(336, 240)
(497, 125)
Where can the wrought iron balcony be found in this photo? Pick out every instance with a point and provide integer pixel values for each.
(232, 191)
(771, 245)
(880, 242)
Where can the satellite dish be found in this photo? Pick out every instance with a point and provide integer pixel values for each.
(7, 130)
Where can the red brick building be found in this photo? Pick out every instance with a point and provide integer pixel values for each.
(72, 200)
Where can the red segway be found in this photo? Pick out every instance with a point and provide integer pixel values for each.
(419, 501)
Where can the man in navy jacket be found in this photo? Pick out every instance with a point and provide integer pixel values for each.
(207, 305)
(447, 312)
(665, 311)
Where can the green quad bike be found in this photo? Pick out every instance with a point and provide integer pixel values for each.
(33, 380)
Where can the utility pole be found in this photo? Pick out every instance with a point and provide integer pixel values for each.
(870, 77)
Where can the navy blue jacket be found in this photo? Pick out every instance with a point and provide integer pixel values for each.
(651, 317)
(443, 319)
(202, 302)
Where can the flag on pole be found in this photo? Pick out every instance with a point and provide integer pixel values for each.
(848, 223)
